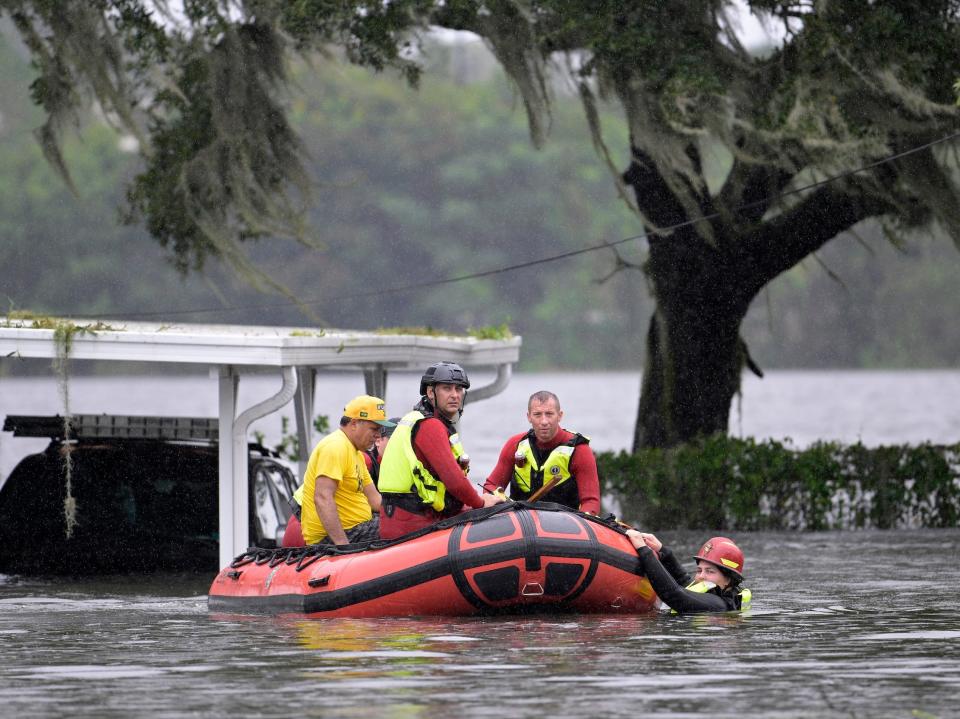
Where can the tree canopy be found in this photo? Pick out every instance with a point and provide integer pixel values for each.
(847, 86)
(487, 199)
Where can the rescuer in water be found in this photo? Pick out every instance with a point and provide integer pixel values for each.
(716, 586)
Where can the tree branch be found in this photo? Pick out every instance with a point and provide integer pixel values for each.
(783, 241)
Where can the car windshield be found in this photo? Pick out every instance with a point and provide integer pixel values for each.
(272, 492)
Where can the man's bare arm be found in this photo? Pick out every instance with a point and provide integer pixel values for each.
(323, 498)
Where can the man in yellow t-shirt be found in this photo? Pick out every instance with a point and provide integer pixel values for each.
(338, 494)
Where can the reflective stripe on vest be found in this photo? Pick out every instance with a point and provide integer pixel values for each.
(557, 464)
(402, 472)
(743, 595)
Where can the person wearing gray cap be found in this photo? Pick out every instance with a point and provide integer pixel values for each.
(374, 455)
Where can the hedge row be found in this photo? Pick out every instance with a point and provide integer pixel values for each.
(740, 484)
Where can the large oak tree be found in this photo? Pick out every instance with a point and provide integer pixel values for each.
(801, 132)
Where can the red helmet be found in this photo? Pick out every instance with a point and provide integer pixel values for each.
(722, 553)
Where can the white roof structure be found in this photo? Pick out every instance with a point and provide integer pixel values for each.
(251, 346)
(294, 352)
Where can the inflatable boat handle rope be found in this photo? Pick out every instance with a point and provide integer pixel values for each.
(303, 557)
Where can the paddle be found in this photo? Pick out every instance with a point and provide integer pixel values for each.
(533, 497)
(544, 489)
(536, 495)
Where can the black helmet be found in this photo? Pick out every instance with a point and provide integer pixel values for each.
(444, 373)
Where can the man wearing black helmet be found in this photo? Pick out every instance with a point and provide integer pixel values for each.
(423, 475)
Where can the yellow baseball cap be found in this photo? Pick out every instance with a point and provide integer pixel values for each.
(372, 409)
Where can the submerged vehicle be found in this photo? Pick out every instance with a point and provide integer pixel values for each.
(145, 491)
(512, 558)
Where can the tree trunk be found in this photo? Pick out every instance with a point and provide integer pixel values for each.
(693, 354)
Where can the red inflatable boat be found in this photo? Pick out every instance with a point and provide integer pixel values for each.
(511, 558)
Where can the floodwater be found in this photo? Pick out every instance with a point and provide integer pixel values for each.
(853, 624)
(857, 624)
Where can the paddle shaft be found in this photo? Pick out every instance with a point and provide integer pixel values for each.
(536, 495)
(544, 489)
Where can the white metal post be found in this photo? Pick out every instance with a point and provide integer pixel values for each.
(241, 471)
(375, 381)
(228, 411)
(303, 409)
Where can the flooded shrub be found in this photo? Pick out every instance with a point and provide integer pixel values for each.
(723, 483)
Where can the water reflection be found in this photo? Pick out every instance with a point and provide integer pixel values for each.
(843, 624)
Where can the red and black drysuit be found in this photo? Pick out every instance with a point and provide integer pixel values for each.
(581, 491)
(431, 444)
